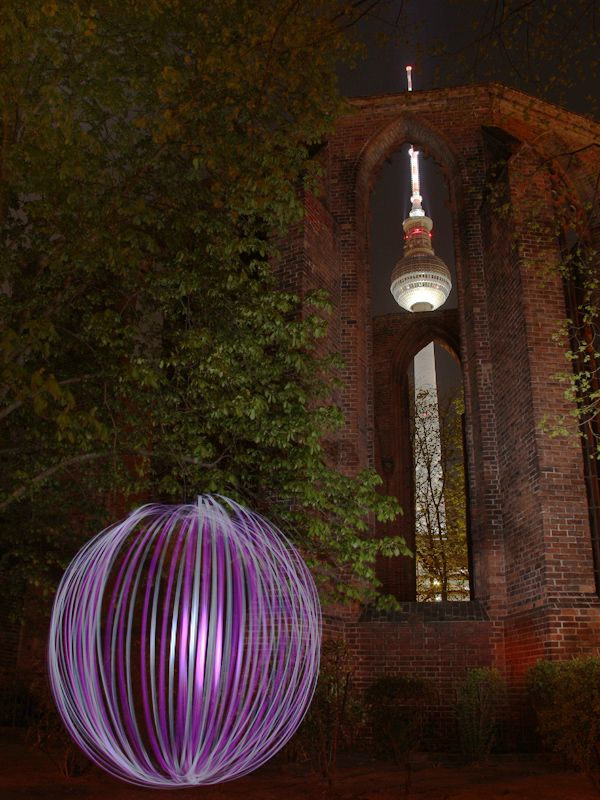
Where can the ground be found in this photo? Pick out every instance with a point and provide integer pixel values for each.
(25, 773)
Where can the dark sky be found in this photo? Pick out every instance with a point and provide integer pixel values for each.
(395, 34)
(551, 49)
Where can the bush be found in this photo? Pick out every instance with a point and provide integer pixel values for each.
(566, 698)
(397, 706)
(335, 716)
(18, 707)
(477, 704)
(397, 711)
(48, 734)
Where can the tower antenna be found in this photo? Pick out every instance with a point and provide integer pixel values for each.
(415, 198)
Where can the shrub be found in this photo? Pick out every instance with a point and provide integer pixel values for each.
(335, 716)
(397, 706)
(478, 698)
(566, 698)
(397, 711)
(48, 734)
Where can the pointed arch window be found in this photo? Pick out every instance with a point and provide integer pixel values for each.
(440, 496)
(434, 497)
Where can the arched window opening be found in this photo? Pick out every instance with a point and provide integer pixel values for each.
(440, 505)
(427, 478)
(390, 205)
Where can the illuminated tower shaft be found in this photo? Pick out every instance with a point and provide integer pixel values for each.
(429, 476)
(420, 280)
(425, 376)
(415, 198)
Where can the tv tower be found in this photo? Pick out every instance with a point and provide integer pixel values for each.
(421, 282)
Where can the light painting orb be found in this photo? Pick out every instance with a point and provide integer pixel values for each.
(184, 644)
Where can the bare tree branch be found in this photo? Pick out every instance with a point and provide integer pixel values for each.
(48, 473)
(14, 406)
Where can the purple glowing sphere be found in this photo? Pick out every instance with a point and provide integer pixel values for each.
(184, 644)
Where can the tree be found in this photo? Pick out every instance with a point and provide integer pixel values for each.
(544, 47)
(441, 534)
(151, 154)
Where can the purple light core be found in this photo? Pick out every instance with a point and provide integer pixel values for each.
(184, 644)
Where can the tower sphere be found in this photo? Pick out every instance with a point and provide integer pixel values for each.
(420, 280)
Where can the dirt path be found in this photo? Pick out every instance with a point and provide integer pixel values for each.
(26, 773)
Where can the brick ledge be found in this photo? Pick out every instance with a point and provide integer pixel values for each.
(445, 611)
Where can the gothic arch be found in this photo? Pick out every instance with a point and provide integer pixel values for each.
(386, 141)
(524, 490)
(439, 327)
(406, 128)
(397, 339)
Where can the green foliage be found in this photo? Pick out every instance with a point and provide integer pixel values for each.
(335, 716)
(580, 337)
(478, 700)
(566, 698)
(441, 513)
(152, 153)
(397, 705)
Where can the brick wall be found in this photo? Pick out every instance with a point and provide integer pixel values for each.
(529, 525)
(436, 641)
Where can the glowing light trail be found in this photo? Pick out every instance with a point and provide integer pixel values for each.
(184, 644)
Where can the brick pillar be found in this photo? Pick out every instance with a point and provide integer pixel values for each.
(552, 608)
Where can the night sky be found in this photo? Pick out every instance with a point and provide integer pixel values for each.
(562, 66)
